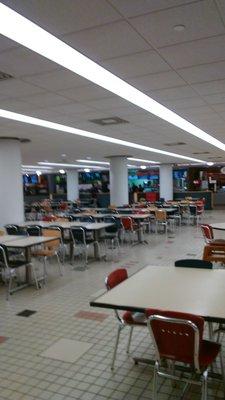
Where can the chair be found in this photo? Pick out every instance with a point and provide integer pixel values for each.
(162, 220)
(128, 318)
(196, 213)
(214, 253)
(111, 232)
(178, 338)
(15, 230)
(9, 268)
(50, 249)
(82, 238)
(208, 235)
(34, 230)
(193, 263)
(130, 226)
(88, 219)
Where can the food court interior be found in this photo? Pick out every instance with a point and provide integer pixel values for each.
(112, 177)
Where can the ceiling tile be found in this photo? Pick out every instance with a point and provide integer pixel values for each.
(21, 61)
(6, 44)
(45, 99)
(181, 92)
(85, 93)
(210, 87)
(204, 73)
(17, 88)
(157, 81)
(196, 52)
(136, 64)
(60, 17)
(184, 103)
(107, 41)
(59, 79)
(72, 108)
(201, 19)
(215, 98)
(131, 8)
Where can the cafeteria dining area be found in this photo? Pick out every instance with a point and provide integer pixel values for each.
(112, 199)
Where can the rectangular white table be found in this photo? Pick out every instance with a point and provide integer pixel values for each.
(191, 290)
(96, 227)
(220, 226)
(25, 243)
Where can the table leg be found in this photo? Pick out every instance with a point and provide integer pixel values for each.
(96, 246)
(28, 266)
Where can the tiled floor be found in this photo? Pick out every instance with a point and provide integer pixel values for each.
(63, 312)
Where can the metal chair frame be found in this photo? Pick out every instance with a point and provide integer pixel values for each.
(200, 374)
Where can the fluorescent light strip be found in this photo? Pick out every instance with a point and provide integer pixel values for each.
(30, 35)
(74, 131)
(94, 162)
(141, 160)
(35, 167)
(68, 165)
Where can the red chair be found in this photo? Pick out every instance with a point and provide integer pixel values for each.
(207, 232)
(130, 227)
(128, 318)
(178, 338)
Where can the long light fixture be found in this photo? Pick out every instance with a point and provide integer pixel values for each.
(34, 167)
(52, 164)
(93, 162)
(21, 30)
(141, 160)
(74, 131)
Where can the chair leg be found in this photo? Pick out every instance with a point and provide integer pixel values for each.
(34, 275)
(59, 265)
(204, 385)
(155, 381)
(45, 269)
(129, 339)
(116, 346)
(8, 292)
(222, 370)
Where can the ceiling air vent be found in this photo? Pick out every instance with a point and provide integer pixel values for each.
(109, 121)
(175, 144)
(201, 152)
(4, 76)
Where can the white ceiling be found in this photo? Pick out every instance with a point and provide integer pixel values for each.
(135, 40)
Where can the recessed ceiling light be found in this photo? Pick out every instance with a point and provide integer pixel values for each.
(88, 158)
(86, 169)
(74, 131)
(210, 163)
(143, 167)
(63, 155)
(38, 173)
(179, 28)
(18, 28)
(62, 171)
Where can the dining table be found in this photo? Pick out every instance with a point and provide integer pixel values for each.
(189, 290)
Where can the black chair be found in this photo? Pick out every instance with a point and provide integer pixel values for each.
(13, 229)
(88, 219)
(34, 230)
(82, 237)
(8, 269)
(112, 232)
(193, 263)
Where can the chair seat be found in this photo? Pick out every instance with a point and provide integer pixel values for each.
(17, 263)
(217, 242)
(208, 353)
(134, 318)
(43, 253)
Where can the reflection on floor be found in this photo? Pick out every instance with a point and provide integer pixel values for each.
(64, 323)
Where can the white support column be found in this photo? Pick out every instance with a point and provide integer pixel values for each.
(11, 183)
(118, 181)
(72, 185)
(166, 181)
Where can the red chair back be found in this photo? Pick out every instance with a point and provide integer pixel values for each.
(174, 335)
(127, 223)
(116, 277)
(207, 232)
